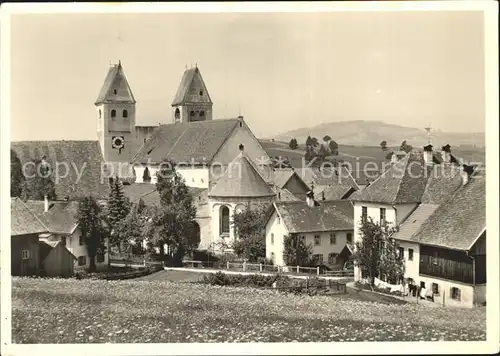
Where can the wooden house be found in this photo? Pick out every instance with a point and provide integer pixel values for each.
(56, 260)
(25, 229)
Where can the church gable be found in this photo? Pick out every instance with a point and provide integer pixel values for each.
(192, 89)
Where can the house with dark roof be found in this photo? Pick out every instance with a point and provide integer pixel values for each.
(60, 220)
(78, 168)
(326, 225)
(446, 243)
(289, 180)
(55, 259)
(25, 229)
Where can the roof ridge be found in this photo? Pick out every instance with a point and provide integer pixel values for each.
(224, 141)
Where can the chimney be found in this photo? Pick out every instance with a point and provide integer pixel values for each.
(446, 153)
(428, 155)
(310, 199)
(45, 203)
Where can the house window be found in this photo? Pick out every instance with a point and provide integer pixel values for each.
(81, 241)
(125, 113)
(191, 113)
(177, 114)
(63, 240)
(272, 239)
(332, 258)
(317, 240)
(318, 259)
(100, 257)
(455, 293)
(202, 113)
(146, 177)
(272, 257)
(435, 288)
(364, 213)
(382, 216)
(401, 253)
(333, 239)
(422, 284)
(82, 261)
(114, 91)
(113, 113)
(25, 254)
(349, 237)
(224, 220)
(201, 92)
(410, 254)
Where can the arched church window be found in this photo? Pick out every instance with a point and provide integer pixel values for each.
(113, 113)
(114, 91)
(191, 113)
(201, 92)
(146, 177)
(224, 220)
(202, 113)
(125, 113)
(177, 114)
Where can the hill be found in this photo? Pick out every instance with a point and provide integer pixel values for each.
(371, 133)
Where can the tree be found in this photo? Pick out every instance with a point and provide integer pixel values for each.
(91, 226)
(405, 147)
(16, 175)
(322, 153)
(173, 222)
(334, 147)
(38, 181)
(118, 208)
(132, 229)
(293, 144)
(383, 145)
(308, 141)
(314, 142)
(326, 138)
(249, 228)
(310, 154)
(375, 251)
(296, 252)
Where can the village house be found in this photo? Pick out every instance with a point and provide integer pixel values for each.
(326, 225)
(60, 218)
(289, 180)
(56, 259)
(25, 228)
(444, 244)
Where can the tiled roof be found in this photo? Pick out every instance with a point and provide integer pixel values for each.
(61, 217)
(46, 246)
(196, 142)
(23, 221)
(285, 195)
(282, 176)
(443, 181)
(148, 193)
(403, 182)
(298, 217)
(241, 179)
(459, 220)
(413, 222)
(114, 78)
(336, 191)
(187, 79)
(73, 157)
(124, 170)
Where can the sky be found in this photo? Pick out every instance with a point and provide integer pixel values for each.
(281, 71)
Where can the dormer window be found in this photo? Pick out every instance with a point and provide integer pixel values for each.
(114, 91)
(125, 113)
(113, 113)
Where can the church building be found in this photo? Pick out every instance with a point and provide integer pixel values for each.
(221, 160)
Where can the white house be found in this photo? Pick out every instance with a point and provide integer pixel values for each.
(326, 225)
(60, 219)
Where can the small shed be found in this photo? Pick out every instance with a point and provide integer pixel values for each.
(57, 260)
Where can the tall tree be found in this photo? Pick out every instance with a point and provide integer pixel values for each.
(383, 145)
(16, 175)
(314, 142)
(322, 154)
(249, 227)
(308, 141)
(296, 252)
(93, 232)
(405, 147)
(38, 181)
(326, 138)
(334, 147)
(310, 154)
(374, 252)
(293, 144)
(132, 229)
(173, 222)
(118, 207)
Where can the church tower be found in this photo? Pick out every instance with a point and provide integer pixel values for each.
(115, 111)
(192, 102)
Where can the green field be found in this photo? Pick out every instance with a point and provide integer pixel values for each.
(93, 311)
